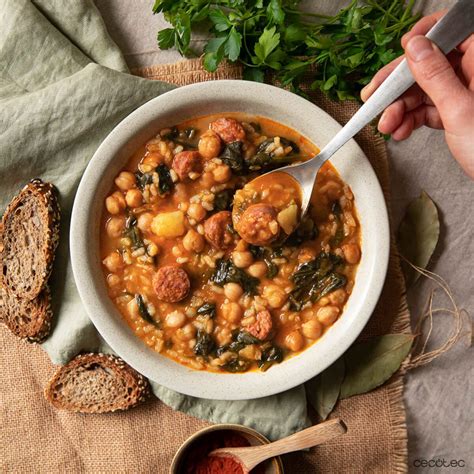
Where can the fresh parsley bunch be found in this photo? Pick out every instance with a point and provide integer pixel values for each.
(341, 52)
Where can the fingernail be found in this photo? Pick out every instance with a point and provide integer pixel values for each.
(366, 91)
(419, 48)
(382, 119)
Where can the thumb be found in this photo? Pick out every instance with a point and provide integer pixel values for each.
(434, 74)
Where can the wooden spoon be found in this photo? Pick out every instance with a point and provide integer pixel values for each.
(251, 456)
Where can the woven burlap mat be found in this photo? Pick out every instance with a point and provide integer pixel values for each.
(36, 438)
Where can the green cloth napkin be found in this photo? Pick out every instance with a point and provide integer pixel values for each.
(64, 85)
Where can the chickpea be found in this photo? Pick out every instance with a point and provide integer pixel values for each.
(113, 262)
(294, 341)
(115, 226)
(193, 241)
(196, 212)
(257, 269)
(223, 335)
(222, 173)
(209, 145)
(275, 296)
(232, 312)
(312, 329)
(242, 259)
(207, 180)
(176, 319)
(328, 314)
(144, 221)
(113, 280)
(125, 180)
(233, 291)
(115, 203)
(186, 333)
(351, 253)
(134, 198)
(338, 296)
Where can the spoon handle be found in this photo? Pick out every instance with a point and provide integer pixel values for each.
(449, 31)
(307, 438)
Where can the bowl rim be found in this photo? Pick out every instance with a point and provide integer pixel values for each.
(276, 460)
(116, 334)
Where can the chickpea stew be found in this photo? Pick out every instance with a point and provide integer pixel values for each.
(216, 288)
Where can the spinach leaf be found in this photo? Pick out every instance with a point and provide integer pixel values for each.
(172, 134)
(270, 355)
(267, 254)
(133, 232)
(315, 279)
(223, 200)
(339, 236)
(165, 183)
(236, 365)
(143, 179)
(232, 156)
(207, 308)
(143, 311)
(205, 345)
(227, 272)
(240, 339)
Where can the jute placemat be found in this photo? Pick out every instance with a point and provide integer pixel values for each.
(36, 438)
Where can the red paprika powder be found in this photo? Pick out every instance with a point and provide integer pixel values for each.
(197, 460)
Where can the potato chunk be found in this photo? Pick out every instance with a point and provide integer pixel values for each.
(168, 224)
(288, 218)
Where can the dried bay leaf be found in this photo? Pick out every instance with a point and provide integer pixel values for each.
(323, 390)
(418, 235)
(371, 363)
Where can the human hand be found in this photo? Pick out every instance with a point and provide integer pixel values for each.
(443, 97)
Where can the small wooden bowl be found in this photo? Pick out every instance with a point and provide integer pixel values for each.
(275, 465)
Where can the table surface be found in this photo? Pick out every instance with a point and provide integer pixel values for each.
(439, 396)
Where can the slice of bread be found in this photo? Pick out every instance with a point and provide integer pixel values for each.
(30, 237)
(96, 383)
(30, 320)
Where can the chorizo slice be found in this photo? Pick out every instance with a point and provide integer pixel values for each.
(228, 129)
(258, 224)
(187, 162)
(262, 326)
(171, 283)
(217, 230)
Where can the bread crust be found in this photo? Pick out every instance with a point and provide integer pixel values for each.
(27, 319)
(86, 365)
(45, 195)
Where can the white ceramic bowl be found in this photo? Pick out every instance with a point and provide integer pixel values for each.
(210, 98)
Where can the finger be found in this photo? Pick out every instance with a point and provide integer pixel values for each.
(379, 77)
(434, 74)
(466, 44)
(467, 67)
(422, 26)
(423, 115)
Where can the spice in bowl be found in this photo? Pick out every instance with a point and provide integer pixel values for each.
(198, 461)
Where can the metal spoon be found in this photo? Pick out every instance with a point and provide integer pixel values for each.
(448, 32)
(254, 455)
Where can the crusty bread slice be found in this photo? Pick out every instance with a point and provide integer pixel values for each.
(30, 320)
(96, 383)
(30, 237)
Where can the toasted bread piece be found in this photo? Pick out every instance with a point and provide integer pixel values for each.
(30, 237)
(30, 320)
(96, 383)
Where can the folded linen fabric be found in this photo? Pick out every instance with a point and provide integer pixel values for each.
(63, 86)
